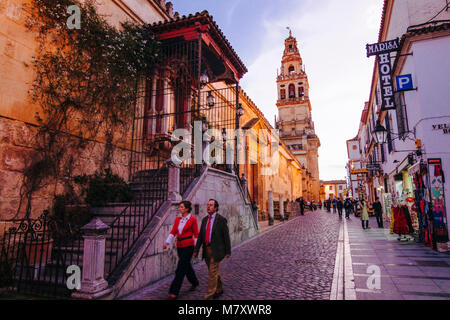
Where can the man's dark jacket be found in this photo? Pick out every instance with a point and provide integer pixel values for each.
(220, 238)
(377, 207)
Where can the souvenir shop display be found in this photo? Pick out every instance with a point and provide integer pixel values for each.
(421, 204)
(402, 221)
(438, 212)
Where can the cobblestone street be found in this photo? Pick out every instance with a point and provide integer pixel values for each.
(292, 261)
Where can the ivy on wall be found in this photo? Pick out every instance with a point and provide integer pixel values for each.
(86, 85)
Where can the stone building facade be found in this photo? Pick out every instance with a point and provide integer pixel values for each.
(18, 124)
(294, 116)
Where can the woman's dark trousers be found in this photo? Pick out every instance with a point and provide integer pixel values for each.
(184, 268)
(366, 224)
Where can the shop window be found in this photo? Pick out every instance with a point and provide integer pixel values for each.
(291, 91)
(283, 94)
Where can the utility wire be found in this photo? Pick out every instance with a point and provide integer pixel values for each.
(445, 8)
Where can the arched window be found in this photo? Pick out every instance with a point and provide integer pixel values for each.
(291, 91)
(283, 94)
(301, 91)
(291, 69)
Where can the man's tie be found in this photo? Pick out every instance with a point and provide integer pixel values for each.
(208, 231)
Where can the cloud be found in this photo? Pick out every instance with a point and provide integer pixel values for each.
(232, 10)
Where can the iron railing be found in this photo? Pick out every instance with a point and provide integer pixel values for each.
(36, 254)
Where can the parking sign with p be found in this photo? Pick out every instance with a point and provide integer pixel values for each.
(404, 82)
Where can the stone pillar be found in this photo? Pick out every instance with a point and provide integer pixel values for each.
(271, 211)
(93, 283)
(281, 207)
(173, 183)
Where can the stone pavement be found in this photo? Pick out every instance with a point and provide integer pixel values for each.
(409, 270)
(292, 261)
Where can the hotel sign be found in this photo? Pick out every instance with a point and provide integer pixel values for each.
(382, 47)
(382, 50)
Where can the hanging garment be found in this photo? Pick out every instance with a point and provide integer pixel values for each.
(400, 223)
(437, 170)
(414, 219)
(392, 221)
(408, 218)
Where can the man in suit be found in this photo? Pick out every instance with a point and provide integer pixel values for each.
(215, 239)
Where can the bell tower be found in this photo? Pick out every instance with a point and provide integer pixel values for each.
(294, 116)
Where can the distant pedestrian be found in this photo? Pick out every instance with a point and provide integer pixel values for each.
(185, 229)
(348, 208)
(320, 204)
(215, 238)
(334, 205)
(302, 206)
(378, 210)
(364, 215)
(339, 205)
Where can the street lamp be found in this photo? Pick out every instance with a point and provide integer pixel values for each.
(224, 134)
(240, 111)
(204, 79)
(210, 101)
(379, 133)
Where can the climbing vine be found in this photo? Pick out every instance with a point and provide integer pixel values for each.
(86, 86)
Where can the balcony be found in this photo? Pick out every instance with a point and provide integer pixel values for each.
(292, 133)
(296, 99)
(292, 75)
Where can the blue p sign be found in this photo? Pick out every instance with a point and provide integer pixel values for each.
(404, 82)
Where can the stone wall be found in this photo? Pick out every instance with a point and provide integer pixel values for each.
(157, 263)
(16, 140)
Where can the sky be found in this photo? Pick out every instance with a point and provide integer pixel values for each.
(332, 37)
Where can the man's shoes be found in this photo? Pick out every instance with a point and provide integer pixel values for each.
(193, 288)
(218, 294)
(172, 297)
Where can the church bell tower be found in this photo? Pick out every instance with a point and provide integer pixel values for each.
(294, 117)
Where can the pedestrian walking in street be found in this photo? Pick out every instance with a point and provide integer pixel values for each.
(334, 205)
(348, 208)
(340, 206)
(378, 210)
(320, 204)
(215, 239)
(185, 229)
(302, 206)
(364, 215)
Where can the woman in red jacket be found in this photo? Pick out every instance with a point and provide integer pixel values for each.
(185, 228)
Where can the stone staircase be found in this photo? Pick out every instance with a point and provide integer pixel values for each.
(126, 222)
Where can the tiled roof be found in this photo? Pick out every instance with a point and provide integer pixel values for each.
(207, 18)
(333, 182)
(383, 18)
(250, 124)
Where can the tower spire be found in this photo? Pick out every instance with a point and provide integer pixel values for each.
(290, 31)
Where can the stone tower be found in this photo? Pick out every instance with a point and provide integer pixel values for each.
(294, 117)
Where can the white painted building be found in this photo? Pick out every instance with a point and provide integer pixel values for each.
(419, 127)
